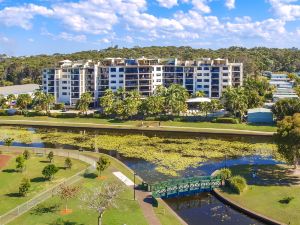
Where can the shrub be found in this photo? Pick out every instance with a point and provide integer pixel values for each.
(225, 173)
(24, 187)
(226, 120)
(35, 113)
(68, 163)
(63, 115)
(59, 106)
(20, 163)
(237, 184)
(49, 171)
(3, 112)
(26, 154)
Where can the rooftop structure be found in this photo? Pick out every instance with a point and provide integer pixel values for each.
(284, 87)
(19, 89)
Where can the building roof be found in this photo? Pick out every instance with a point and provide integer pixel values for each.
(256, 110)
(19, 89)
(198, 99)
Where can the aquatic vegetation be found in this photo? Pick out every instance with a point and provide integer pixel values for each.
(168, 154)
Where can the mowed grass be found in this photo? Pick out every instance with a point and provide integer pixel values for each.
(137, 123)
(267, 193)
(49, 212)
(10, 179)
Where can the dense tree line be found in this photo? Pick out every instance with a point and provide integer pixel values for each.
(19, 70)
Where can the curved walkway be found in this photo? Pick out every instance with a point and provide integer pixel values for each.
(134, 127)
(143, 197)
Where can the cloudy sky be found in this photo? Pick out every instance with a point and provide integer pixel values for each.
(30, 27)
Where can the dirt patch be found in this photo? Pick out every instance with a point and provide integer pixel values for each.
(4, 160)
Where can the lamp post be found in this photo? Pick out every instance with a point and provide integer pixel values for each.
(134, 174)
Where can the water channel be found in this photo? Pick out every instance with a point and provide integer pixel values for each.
(203, 209)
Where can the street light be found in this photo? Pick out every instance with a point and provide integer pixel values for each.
(134, 174)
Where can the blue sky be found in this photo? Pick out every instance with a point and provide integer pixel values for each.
(29, 27)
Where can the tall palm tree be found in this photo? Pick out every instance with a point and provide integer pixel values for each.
(23, 101)
(46, 101)
(84, 102)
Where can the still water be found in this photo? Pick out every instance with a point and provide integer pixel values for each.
(203, 209)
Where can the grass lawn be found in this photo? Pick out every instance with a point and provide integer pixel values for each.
(127, 211)
(134, 124)
(162, 212)
(267, 193)
(10, 179)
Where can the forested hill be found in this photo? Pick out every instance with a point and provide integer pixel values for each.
(19, 70)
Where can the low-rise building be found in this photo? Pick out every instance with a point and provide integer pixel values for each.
(19, 89)
(260, 115)
(284, 87)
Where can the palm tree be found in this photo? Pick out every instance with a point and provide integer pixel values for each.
(84, 102)
(10, 98)
(205, 107)
(23, 101)
(199, 94)
(46, 101)
(176, 97)
(38, 99)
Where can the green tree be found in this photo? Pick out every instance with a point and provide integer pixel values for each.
(176, 97)
(286, 107)
(84, 102)
(10, 98)
(26, 154)
(8, 141)
(49, 171)
(107, 103)
(20, 163)
(235, 101)
(23, 101)
(131, 104)
(215, 105)
(199, 94)
(50, 156)
(24, 187)
(68, 163)
(288, 138)
(204, 107)
(102, 164)
(46, 101)
(154, 105)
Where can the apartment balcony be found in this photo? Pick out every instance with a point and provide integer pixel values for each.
(76, 89)
(131, 83)
(50, 77)
(144, 76)
(145, 82)
(131, 77)
(75, 95)
(104, 82)
(51, 89)
(145, 88)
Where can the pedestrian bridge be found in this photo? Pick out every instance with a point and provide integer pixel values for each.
(183, 186)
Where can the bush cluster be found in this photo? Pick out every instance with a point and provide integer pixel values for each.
(63, 115)
(225, 173)
(226, 120)
(237, 184)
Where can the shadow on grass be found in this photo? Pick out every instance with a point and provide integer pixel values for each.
(267, 175)
(13, 195)
(90, 175)
(286, 200)
(9, 171)
(42, 209)
(44, 161)
(38, 179)
(60, 221)
(116, 121)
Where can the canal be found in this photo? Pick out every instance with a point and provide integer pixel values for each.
(196, 210)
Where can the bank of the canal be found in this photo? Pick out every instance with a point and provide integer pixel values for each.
(203, 208)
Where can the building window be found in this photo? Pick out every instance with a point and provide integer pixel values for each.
(113, 82)
(225, 74)
(64, 88)
(225, 68)
(64, 82)
(64, 93)
(206, 68)
(158, 68)
(113, 70)
(113, 87)
(121, 82)
(121, 76)
(199, 74)
(199, 80)
(206, 74)
(206, 80)
(206, 86)
(225, 80)
(158, 80)
(121, 69)
(199, 68)
(199, 86)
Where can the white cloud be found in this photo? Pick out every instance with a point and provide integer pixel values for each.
(4, 39)
(167, 3)
(30, 39)
(286, 9)
(230, 4)
(64, 36)
(22, 16)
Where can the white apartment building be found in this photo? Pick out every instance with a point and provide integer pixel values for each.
(70, 79)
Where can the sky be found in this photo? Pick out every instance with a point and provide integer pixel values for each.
(30, 27)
